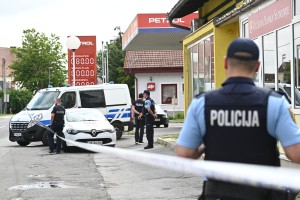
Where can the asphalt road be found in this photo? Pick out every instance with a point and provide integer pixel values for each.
(31, 173)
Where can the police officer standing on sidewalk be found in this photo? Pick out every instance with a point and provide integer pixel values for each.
(57, 125)
(240, 123)
(137, 109)
(150, 115)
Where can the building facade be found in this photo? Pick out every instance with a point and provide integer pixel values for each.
(9, 58)
(273, 24)
(154, 56)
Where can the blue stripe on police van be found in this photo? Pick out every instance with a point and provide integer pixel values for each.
(110, 116)
(128, 109)
(125, 115)
(113, 110)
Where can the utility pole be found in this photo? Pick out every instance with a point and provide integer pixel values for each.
(107, 74)
(103, 79)
(4, 84)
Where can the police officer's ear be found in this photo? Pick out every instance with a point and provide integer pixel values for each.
(225, 63)
(257, 66)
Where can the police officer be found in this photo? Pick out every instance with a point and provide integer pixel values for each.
(137, 108)
(57, 125)
(240, 123)
(150, 115)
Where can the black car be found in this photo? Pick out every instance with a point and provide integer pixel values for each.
(162, 117)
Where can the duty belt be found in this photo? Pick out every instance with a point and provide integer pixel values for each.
(234, 192)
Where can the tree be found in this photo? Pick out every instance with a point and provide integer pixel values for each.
(18, 99)
(116, 59)
(37, 54)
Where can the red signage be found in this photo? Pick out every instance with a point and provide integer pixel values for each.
(153, 21)
(151, 86)
(274, 16)
(160, 20)
(85, 62)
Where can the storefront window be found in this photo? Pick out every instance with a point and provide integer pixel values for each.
(202, 65)
(207, 65)
(245, 30)
(297, 62)
(269, 62)
(297, 7)
(194, 58)
(257, 77)
(283, 57)
(169, 93)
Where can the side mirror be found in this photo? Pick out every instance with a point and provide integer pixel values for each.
(165, 111)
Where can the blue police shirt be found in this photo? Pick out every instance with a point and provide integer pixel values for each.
(147, 103)
(280, 124)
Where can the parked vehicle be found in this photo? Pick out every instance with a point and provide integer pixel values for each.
(162, 117)
(88, 125)
(113, 100)
(285, 89)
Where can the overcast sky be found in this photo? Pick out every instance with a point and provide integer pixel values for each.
(72, 17)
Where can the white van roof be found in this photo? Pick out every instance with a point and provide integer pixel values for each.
(85, 87)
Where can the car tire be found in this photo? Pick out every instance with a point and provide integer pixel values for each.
(45, 138)
(119, 129)
(166, 125)
(23, 143)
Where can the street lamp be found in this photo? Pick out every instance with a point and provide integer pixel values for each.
(49, 75)
(73, 43)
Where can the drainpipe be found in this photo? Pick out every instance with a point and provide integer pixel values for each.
(136, 87)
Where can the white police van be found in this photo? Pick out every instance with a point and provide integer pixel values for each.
(113, 100)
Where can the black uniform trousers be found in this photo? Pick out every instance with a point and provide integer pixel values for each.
(149, 129)
(139, 129)
(57, 128)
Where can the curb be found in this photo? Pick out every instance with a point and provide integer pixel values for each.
(166, 143)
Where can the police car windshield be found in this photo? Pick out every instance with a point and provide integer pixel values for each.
(42, 100)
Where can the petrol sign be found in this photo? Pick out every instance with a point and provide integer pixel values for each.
(85, 62)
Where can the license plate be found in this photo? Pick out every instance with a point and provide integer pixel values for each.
(17, 134)
(95, 142)
(157, 120)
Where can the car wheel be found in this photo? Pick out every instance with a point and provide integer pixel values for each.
(45, 138)
(119, 130)
(166, 125)
(23, 143)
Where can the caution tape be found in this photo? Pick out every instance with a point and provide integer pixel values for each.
(278, 178)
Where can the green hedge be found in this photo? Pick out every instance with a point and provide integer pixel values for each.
(177, 116)
(18, 99)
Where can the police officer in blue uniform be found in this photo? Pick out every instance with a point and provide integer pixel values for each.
(57, 125)
(240, 123)
(150, 116)
(137, 108)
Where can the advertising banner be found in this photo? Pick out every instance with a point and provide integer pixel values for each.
(274, 16)
(85, 62)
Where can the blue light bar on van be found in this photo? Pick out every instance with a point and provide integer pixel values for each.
(68, 85)
(50, 86)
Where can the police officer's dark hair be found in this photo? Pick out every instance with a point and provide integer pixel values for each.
(141, 95)
(247, 66)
